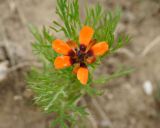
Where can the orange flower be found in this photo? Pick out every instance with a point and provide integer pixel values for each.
(81, 55)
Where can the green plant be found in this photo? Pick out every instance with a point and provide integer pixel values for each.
(59, 91)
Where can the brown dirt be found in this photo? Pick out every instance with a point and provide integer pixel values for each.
(124, 103)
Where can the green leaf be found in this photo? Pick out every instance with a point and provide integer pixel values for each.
(121, 72)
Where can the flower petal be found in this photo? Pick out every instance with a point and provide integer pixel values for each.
(76, 67)
(91, 59)
(62, 62)
(82, 75)
(91, 43)
(99, 48)
(61, 47)
(73, 45)
(86, 34)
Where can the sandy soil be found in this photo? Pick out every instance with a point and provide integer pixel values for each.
(124, 103)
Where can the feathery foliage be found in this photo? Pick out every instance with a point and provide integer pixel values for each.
(59, 91)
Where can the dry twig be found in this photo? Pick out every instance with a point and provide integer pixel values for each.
(24, 64)
(13, 5)
(90, 116)
(101, 113)
(126, 52)
(150, 46)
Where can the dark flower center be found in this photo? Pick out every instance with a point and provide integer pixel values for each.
(80, 56)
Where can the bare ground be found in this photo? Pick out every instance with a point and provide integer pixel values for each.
(124, 103)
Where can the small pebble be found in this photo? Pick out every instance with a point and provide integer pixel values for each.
(148, 87)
